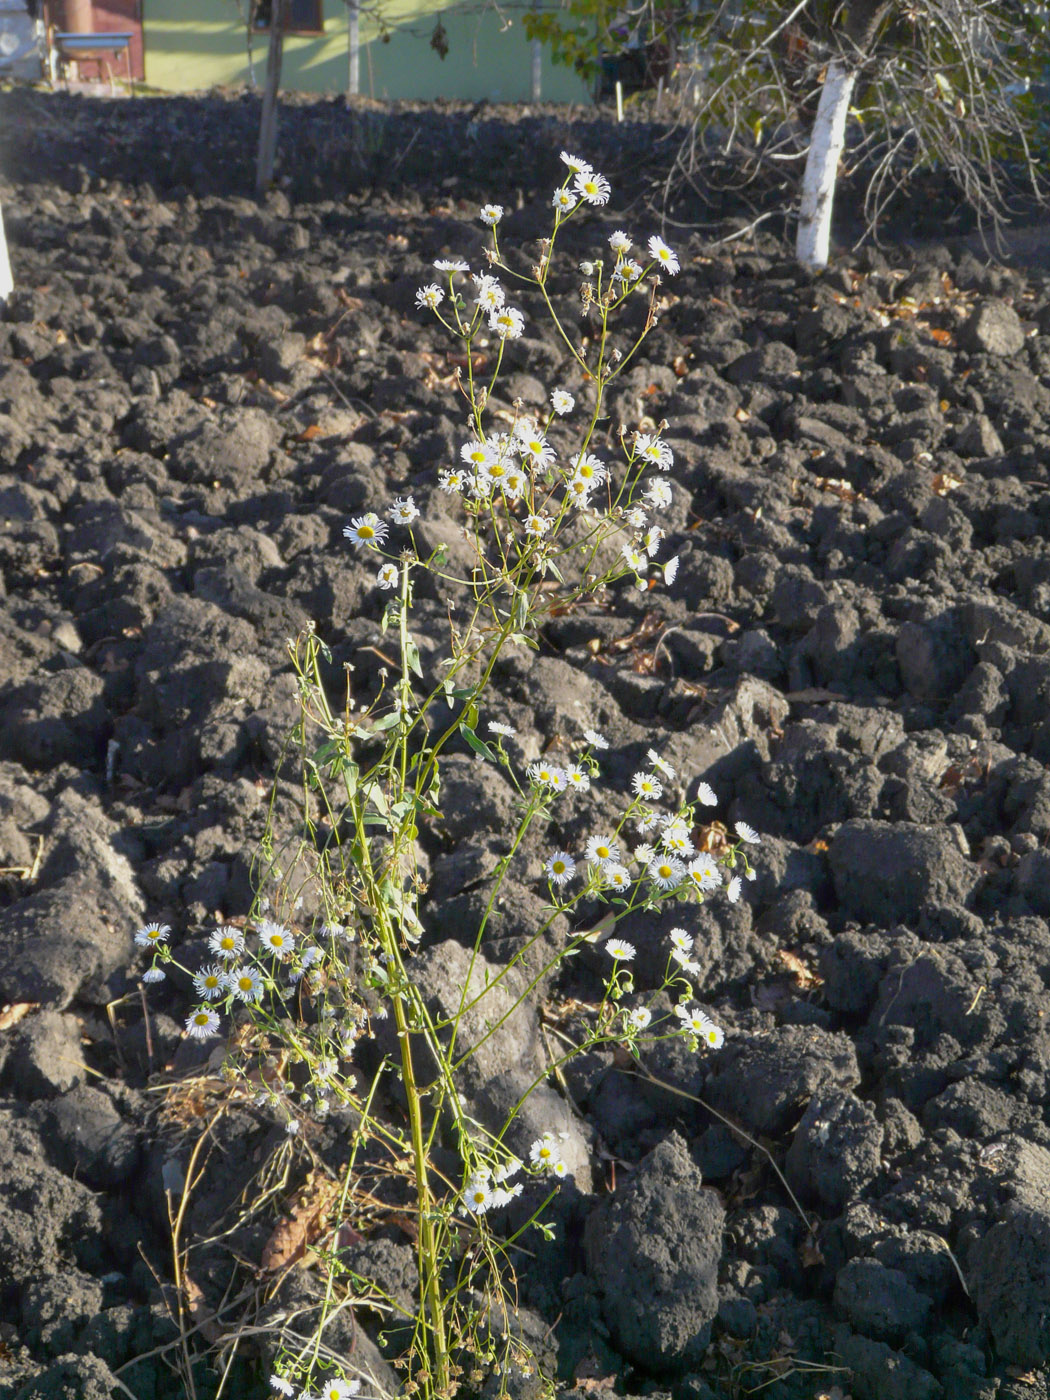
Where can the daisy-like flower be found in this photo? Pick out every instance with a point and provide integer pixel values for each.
(681, 940)
(733, 889)
(654, 535)
(431, 296)
(491, 214)
(453, 482)
(638, 1019)
(619, 950)
(667, 872)
(704, 874)
(628, 271)
(663, 256)
(451, 265)
(367, 530)
(705, 793)
(276, 938)
(595, 739)
(747, 833)
(404, 510)
(514, 483)
(616, 876)
(245, 983)
(579, 493)
(508, 323)
(619, 242)
(601, 850)
(671, 570)
(577, 779)
(537, 526)
(339, 1390)
(712, 1035)
(547, 774)
(544, 1152)
(153, 974)
(560, 868)
(632, 558)
(490, 294)
(202, 1024)
(592, 187)
(636, 518)
(507, 731)
(388, 576)
(227, 941)
(676, 835)
(209, 983)
(152, 935)
(660, 763)
(575, 164)
(562, 402)
(659, 494)
(559, 1169)
(477, 454)
(282, 1386)
(532, 443)
(685, 962)
(653, 449)
(644, 853)
(647, 785)
(564, 201)
(478, 1195)
(692, 1018)
(589, 468)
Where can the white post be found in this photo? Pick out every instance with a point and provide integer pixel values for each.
(822, 165)
(353, 47)
(7, 284)
(537, 71)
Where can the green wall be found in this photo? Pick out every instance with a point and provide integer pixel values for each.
(195, 44)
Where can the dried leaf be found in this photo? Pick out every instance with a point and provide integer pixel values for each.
(805, 978)
(301, 1226)
(944, 482)
(941, 337)
(308, 434)
(12, 1013)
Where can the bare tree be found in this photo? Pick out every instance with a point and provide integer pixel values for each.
(892, 85)
(793, 90)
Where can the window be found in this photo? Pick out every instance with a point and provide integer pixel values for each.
(300, 16)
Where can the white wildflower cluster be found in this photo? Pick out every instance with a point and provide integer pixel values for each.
(332, 1388)
(488, 1189)
(267, 961)
(668, 865)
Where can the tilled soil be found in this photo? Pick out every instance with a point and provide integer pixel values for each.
(196, 392)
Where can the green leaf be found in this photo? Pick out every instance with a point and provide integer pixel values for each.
(412, 657)
(478, 745)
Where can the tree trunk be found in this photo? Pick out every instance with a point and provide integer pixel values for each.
(268, 125)
(822, 164)
(353, 48)
(7, 284)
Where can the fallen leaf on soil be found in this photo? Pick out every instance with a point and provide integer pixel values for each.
(944, 482)
(805, 978)
(297, 1230)
(11, 1014)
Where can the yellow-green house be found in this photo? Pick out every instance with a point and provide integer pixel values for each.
(472, 50)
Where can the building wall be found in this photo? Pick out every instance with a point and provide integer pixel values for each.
(195, 44)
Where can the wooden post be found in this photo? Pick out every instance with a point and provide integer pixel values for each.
(7, 284)
(268, 124)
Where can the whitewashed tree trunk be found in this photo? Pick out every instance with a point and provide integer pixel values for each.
(7, 284)
(353, 47)
(268, 125)
(822, 165)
